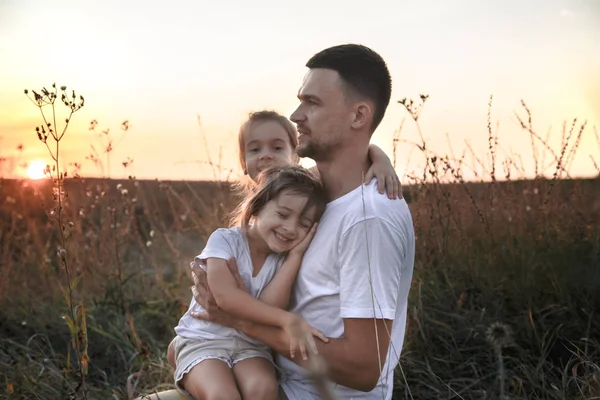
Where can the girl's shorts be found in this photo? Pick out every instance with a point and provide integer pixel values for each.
(190, 352)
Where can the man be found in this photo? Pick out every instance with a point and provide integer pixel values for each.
(355, 277)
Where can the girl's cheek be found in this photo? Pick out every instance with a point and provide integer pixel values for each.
(290, 157)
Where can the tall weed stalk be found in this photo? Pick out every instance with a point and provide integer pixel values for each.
(51, 136)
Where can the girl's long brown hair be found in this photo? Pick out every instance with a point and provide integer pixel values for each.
(271, 183)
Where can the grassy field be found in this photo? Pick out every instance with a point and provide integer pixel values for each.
(504, 302)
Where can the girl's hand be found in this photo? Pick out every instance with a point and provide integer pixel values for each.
(302, 336)
(301, 247)
(387, 179)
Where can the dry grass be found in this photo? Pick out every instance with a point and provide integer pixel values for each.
(504, 302)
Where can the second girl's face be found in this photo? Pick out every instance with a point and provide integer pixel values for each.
(266, 144)
(284, 222)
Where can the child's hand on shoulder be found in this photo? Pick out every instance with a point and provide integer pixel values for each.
(387, 178)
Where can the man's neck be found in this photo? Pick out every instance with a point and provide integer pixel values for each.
(344, 171)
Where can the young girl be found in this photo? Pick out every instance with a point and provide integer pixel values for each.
(275, 226)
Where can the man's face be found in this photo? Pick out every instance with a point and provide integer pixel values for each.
(324, 115)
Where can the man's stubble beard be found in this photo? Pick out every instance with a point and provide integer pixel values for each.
(318, 151)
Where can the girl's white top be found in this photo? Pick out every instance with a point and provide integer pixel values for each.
(226, 243)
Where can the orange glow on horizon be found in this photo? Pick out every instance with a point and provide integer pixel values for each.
(462, 53)
(35, 170)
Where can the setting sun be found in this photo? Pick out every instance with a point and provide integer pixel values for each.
(35, 170)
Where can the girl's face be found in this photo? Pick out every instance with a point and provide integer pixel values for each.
(266, 144)
(283, 222)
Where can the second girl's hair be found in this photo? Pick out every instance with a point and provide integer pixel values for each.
(272, 182)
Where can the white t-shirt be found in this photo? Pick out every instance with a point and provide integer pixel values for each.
(363, 241)
(226, 243)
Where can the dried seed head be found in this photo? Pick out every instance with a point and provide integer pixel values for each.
(499, 335)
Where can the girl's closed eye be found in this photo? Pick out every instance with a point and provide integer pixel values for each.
(306, 223)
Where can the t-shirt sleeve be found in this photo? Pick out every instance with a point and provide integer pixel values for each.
(371, 256)
(219, 245)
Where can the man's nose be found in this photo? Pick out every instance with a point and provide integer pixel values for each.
(297, 115)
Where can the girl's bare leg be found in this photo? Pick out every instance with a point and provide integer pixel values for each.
(211, 380)
(171, 355)
(256, 379)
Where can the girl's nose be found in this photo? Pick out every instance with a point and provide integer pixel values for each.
(290, 229)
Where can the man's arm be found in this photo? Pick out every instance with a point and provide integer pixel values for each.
(354, 361)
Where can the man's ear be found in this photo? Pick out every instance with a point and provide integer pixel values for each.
(363, 115)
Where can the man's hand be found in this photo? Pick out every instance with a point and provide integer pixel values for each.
(204, 296)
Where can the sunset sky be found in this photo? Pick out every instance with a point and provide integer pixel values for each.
(161, 64)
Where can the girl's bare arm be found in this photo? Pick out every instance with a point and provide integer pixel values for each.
(278, 291)
(236, 301)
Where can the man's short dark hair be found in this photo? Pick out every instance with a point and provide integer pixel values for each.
(362, 70)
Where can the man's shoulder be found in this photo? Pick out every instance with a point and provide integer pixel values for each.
(369, 203)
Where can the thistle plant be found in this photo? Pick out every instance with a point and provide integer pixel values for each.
(499, 335)
(50, 135)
